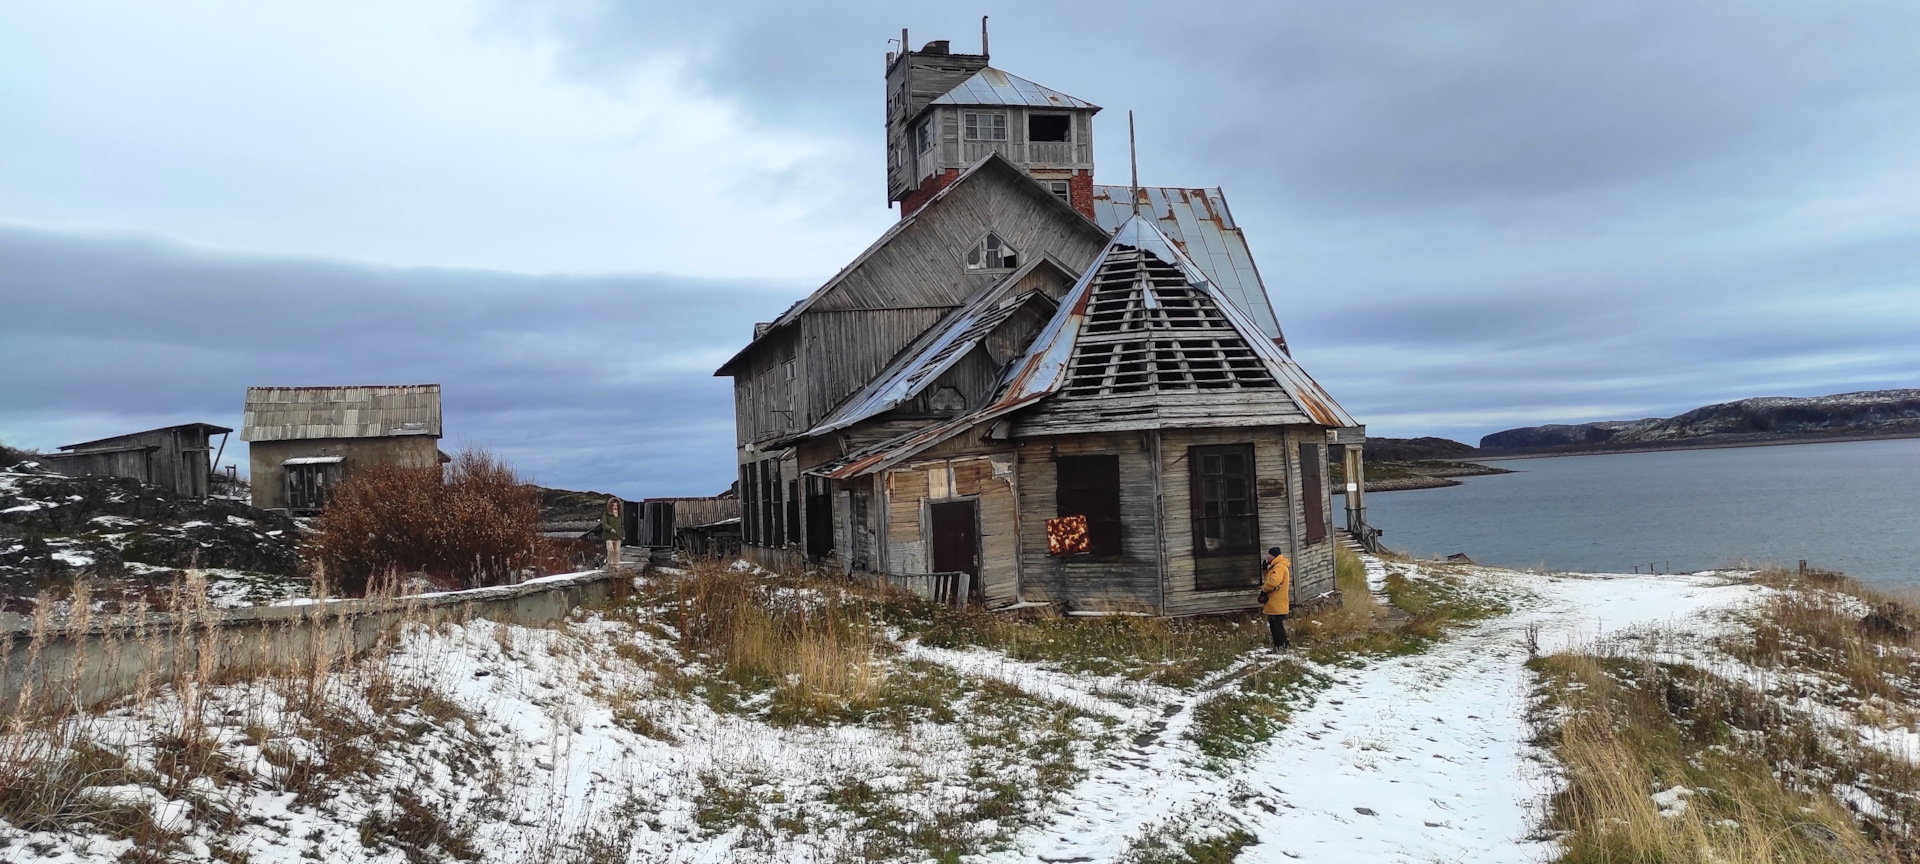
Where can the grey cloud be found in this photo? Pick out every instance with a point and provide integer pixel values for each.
(601, 381)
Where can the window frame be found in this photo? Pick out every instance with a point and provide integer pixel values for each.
(980, 255)
(970, 125)
(1202, 485)
(1085, 492)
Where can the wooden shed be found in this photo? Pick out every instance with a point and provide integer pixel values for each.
(304, 440)
(179, 459)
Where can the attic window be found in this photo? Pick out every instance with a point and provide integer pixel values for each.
(986, 127)
(1049, 127)
(993, 253)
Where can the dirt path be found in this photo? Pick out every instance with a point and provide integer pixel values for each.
(1418, 759)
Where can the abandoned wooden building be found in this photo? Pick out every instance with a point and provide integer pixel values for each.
(304, 440)
(1070, 392)
(179, 459)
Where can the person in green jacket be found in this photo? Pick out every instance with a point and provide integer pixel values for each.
(612, 527)
(1276, 588)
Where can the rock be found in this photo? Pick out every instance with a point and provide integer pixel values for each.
(1890, 620)
(1365, 811)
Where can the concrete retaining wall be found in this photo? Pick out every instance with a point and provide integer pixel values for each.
(116, 656)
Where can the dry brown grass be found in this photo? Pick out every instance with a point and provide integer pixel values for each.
(1627, 729)
(177, 730)
(1768, 772)
(476, 525)
(1865, 640)
(817, 645)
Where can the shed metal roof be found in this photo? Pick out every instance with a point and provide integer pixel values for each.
(376, 411)
(1197, 220)
(207, 428)
(992, 86)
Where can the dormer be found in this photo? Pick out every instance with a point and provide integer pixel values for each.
(946, 111)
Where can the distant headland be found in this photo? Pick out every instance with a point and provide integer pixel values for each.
(1424, 463)
(1744, 422)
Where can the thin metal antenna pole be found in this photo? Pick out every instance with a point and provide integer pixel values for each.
(1133, 159)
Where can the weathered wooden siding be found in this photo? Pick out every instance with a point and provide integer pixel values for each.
(1132, 583)
(986, 478)
(1203, 409)
(177, 459)
(906, 499)
(846, 349)
(1274, 497)
(764, 395)
(1312, 563)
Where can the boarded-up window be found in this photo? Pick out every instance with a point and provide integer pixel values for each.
(1313, 490)
(1090, 486)
(1224, 518)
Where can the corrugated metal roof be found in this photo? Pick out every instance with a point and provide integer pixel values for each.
(378, 411)
(1198, 221)
(992, 86)
(935, 353)
(1043, 369)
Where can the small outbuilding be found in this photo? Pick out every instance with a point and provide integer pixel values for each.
(304, 440)
(178, 459)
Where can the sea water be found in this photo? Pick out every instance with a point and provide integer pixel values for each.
(1848, 506)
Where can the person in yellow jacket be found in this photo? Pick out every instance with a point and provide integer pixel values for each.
(1275, 590)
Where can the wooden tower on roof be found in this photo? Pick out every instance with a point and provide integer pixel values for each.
(947, 111)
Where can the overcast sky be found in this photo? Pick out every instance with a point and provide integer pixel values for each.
(1471, 216)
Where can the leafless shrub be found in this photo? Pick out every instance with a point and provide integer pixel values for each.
(478, 525)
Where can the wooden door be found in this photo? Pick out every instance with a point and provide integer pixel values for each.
(956, 541)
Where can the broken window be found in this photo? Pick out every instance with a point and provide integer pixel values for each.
(1313, 490)
(923, 134)
(1148, 329)
(1061, 189)
(308, 484)
(1049, 127)
(1224, 519)
(992, 253)
(1090, 486)
(982, 126)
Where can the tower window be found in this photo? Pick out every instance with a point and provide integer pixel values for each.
(986, 127)
(993, 253)
(1049, 127)
(1060, 189)
(923, 135)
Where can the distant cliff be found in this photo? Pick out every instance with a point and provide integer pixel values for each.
(1765, 419)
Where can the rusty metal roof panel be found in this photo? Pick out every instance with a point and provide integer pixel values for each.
(378, 411)
(936, 352)
(992, 86)
(1198, 221)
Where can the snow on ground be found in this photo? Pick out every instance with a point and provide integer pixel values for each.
(1417, 758)
(1420, 758)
